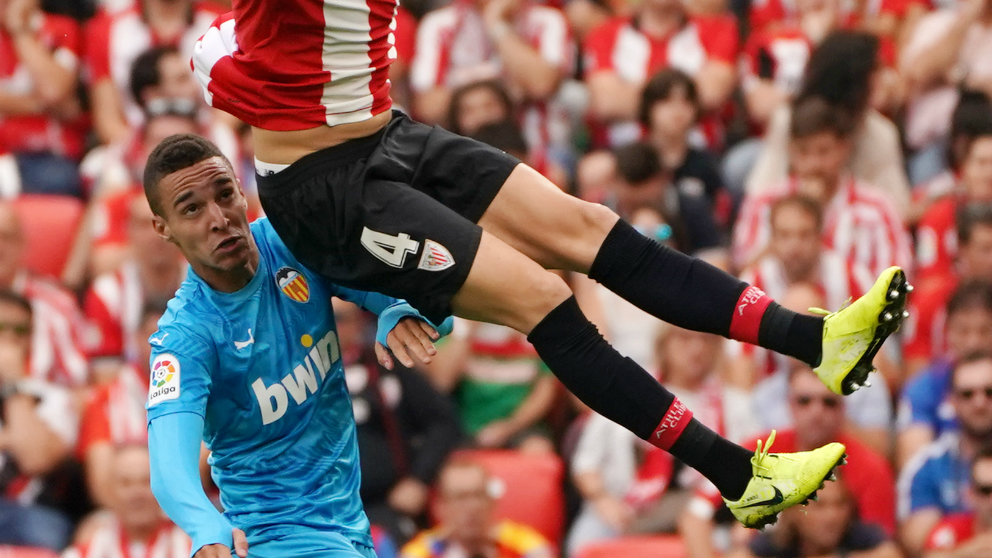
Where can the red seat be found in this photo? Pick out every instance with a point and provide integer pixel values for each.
(25, 552)
(531, 488)
(49, 224)
(662, 546)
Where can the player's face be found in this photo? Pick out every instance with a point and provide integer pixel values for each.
(204, 212)
(795, 241)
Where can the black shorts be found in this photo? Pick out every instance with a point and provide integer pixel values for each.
(394, 212)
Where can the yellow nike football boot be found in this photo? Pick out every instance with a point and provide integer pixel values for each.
(782, 480)
(853, 334)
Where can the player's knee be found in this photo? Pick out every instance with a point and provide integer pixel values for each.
(598, 218)
(546, 292)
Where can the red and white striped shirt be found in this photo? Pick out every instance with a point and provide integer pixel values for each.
(299, 64)
(924, 332)
(110, 541)
(113, 306)
(115, 412)
(40, 132)
(859, 223)
(115, 39)
(619, 46)
(838, 280)
(60, 331)
(453, 49)
(779, 55)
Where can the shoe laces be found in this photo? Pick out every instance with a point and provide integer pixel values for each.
(762, 452)
(823, 312)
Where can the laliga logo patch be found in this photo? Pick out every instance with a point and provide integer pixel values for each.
(293, 284)
(164, 384)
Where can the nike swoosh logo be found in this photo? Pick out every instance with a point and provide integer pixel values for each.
(774, 500)
(242, 344)
(158, 340)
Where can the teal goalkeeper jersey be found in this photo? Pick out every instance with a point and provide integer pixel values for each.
(262, 367)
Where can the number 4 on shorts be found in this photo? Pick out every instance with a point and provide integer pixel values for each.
(392, 250)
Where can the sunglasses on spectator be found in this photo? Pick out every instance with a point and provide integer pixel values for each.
(825, 400)
(18, 329)
(982, 489)
(970, 393)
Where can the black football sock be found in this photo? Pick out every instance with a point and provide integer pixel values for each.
(693, 294)
(619, 389)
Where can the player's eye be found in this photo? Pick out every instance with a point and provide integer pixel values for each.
(189, 209)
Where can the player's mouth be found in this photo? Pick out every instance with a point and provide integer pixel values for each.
(229, 244)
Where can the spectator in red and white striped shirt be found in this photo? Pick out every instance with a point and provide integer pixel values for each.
(860, 223)
(59, 330)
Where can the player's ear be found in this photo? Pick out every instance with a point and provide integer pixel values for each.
(162, 228)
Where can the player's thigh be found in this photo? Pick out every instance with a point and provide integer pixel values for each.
(506, 287)
(309, 543)
(558, 230)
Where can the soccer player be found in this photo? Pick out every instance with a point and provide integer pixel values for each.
(247, 359)
(373, 200)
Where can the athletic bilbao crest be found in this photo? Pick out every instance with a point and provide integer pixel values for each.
(435, 257)
(293, 284)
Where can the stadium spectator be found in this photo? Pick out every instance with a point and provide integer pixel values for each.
(114, 414)
(59, 331)
(926, 408)
(818, 417)
(38, 425)
(523, 43)
(859, 222)
(947, 50)
(795, 255)
(925, 338)
(935, 481)
(477, 104)
(114, 301)
(967, 534)
(669, 108)
(644, 182)
(466, 527)
(502, 389)
(405, 429)
(624, 52)
(937, 246)
(115, 39)
(41, 120)
(842, 70)
(135, 527)
(628, 488)
(829, 526)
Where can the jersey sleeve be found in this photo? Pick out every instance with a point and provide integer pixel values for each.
(181, 365)
(429, 55)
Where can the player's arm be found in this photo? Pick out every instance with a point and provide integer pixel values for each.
(401, 328)
(174, 448)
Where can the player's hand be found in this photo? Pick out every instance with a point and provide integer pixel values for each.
(222, 551)
(410, 339)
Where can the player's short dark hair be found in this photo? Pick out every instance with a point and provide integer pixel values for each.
(637, 162)
(660, 88)
(504, 135)
(145, 71)
(973, 294)
(174, 153)
(10, 297)
(805, 203)
(814, 115)
(969, 216)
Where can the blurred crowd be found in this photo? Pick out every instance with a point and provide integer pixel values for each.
(804, 145)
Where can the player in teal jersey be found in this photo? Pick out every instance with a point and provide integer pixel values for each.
(246, 358)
